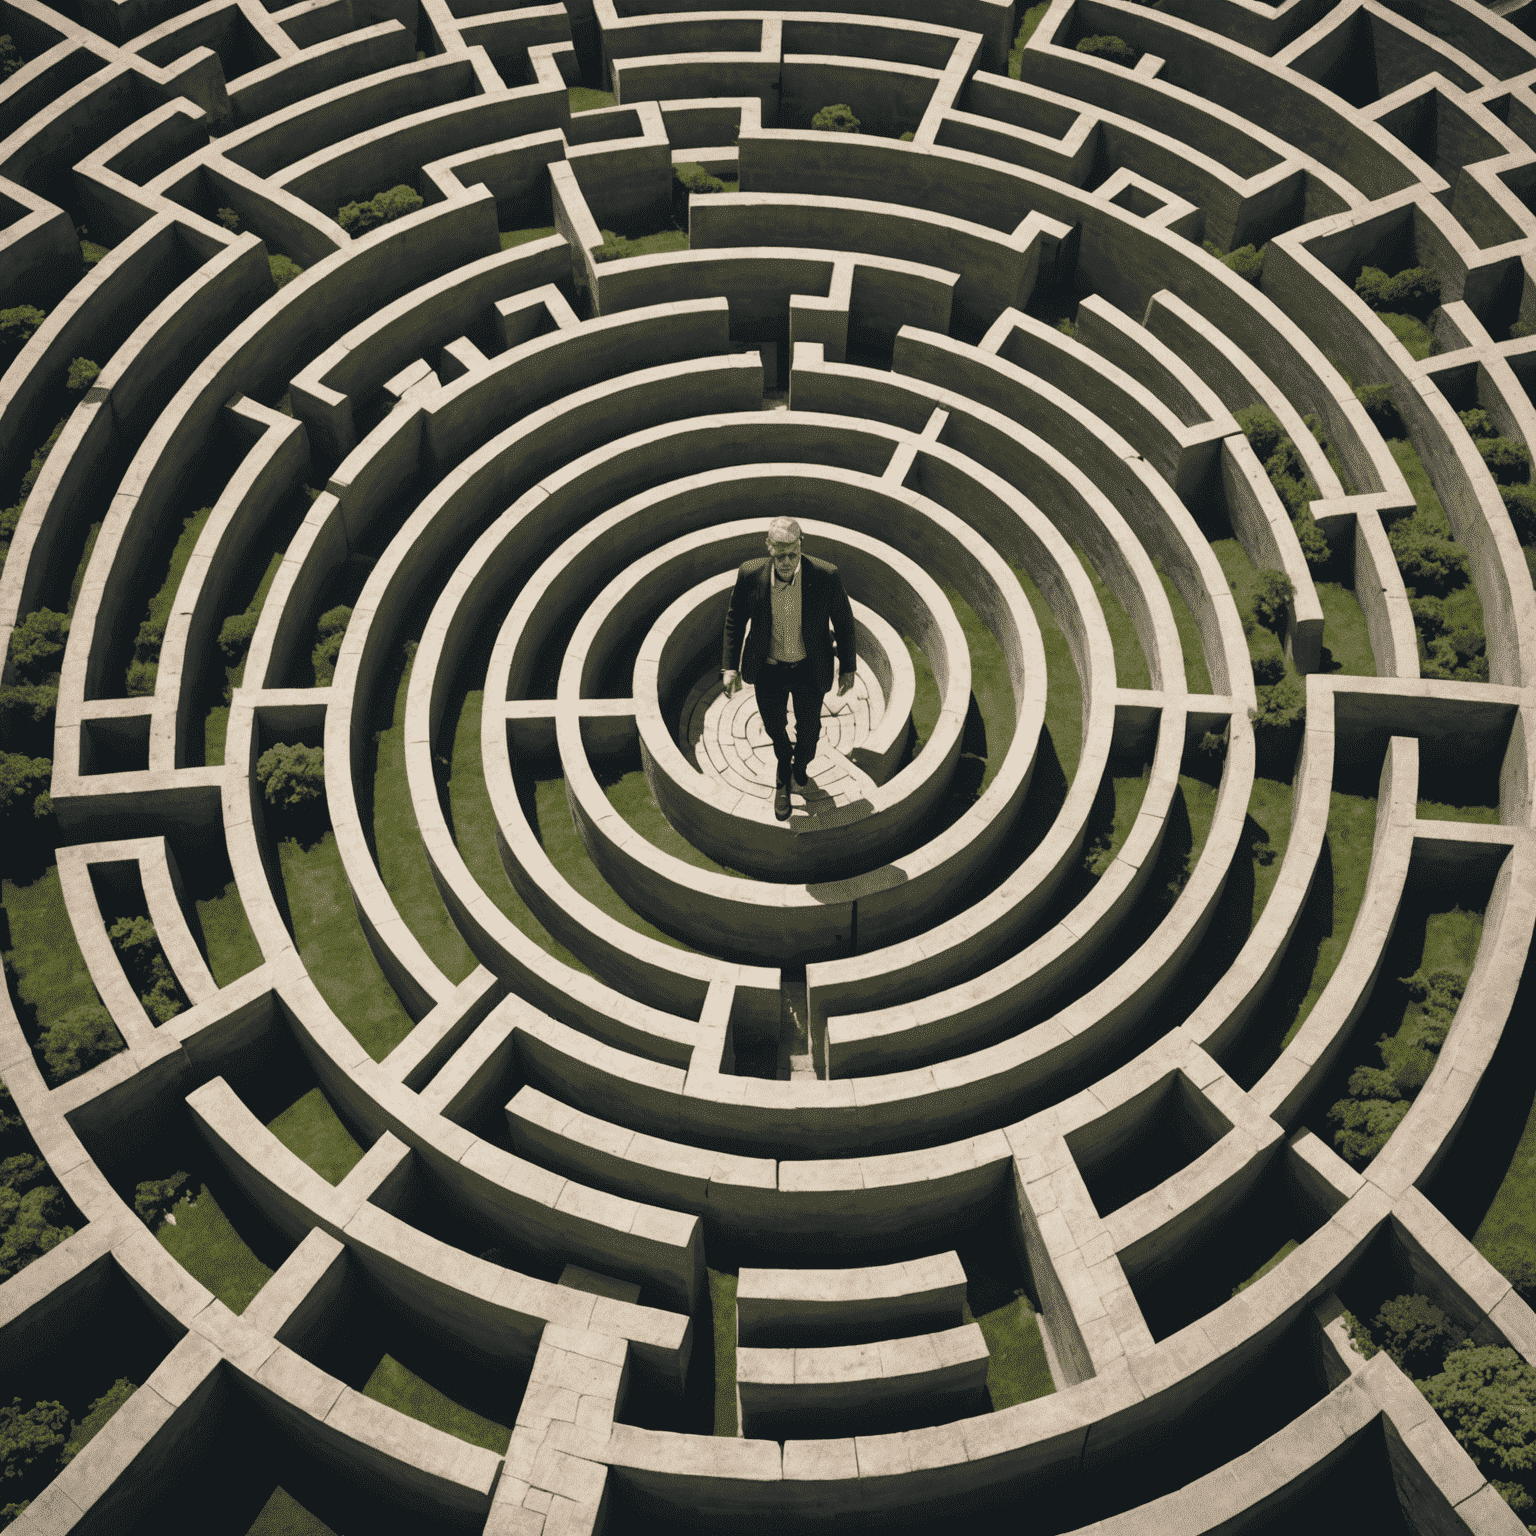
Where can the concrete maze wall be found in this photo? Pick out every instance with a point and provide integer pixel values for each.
(569, 1145)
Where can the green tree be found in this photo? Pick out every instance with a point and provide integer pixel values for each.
(82, 374)
(291, 775)
(1364, 1126)
(837, 118)
(37, 644)
(230, 220)
(1416, 1333)
(283, 270)
(1273, 592)
(1520, 503)
(31, 1440)
(1113, 50)
(235, 636)
(78, 1041)
(29, 1226)
(138, 945)
(694, 178)
(332, 629)
(1261, 427)
(1247, 260)
(22, 781)
(1377, 400)
(1487, 1397)
(1479, 423)
(1431, 562)
(1507, 457)
(1518, 1266)
(153, 1199)
(96, 1416)
(358, 218)
(17, 328)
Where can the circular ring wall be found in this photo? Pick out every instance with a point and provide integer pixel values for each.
(439, 1093)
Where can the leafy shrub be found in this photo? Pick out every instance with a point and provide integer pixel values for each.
(22, 779)
(82, 374)
(1431, 562)
(1113, 50)
(78, 1041)
(837, 118)
(1487, 1397)
(1272, 592)
(235, 636)
(17, 328)
(230, 220)
(1518, 1267)
(29, 1227)
(37, 644)
(615, 247)
(1280, 707)
(694, 178)
(96, 1417)
(1066, 327)
(13, 1131)
(291, 775)
(31, 1439)
(1413, 291)
(358, 218)
(1377, 400)
(1364, 1126)
(10, 57)
(1478, 423)
(1268, 667)
(1416, 1333)
(1262, 428)
(1520, 502)
(908, 136)
(153, 1199)
(1428, 616)
(1247, 260)
(138, 947)
(332, 628)
(283, 270)
(1508, 458)
(11, 516)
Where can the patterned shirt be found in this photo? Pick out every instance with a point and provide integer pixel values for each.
(786, 643)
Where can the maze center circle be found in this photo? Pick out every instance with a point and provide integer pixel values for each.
(726, 739)
(437, 1093)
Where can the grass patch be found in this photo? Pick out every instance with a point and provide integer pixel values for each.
(1017, 1371)
(1463, 606)
(283, 1515)
(474, 830)
(399, 1387)
(1266, 834)
(1433, 810)
(1032, 19)
(1346, 644)
(661, 240)
(555, 828)
(402, 857)
(722, 1302)
(583, 99)
(1064, 695)
(1197, 676)
(313, 1131)
(49, 970)
(1131, 667)
(629, 793)
(91, 252)
(186, 542)
(207, 1246)
(1290, 1246)
(216, 722)
(231, 947)
(1351, 829)
(335, 952)
(1411, 331)
(511, 237)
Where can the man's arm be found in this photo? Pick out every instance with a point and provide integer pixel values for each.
(736, 617)
(841, 612)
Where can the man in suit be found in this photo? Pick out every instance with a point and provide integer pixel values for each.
(784, 613)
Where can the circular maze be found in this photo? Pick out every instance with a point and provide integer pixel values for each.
(439, 1095)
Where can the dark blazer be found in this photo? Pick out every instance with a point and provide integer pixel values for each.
(823, 603)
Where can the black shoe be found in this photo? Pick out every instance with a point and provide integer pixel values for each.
(781, 800)
(800, 772)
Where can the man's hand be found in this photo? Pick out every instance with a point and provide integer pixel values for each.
(844, 683)
(732, 681)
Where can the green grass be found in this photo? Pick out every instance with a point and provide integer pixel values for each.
(1131, 668)
(1032, 19)
(1064, 695)
(991, 688)
(1290, 1246)
(925, 699)
(186, 542)
(334, 950)
(722, 1301)
(1270, 803)
(584, 100)
(661, 240)
(1197, 676)
(1432, 810)
(1510, 1221)
(91, 253)
(1351, 828)
(1129, 791)
(630, 795)
(403, 862)
(216, 724)
(1346, 645)
(283, 1515)
(50, 972)
(1017, 1370)
(232, 947)
(1411, 331)
(474, 830)
(555, 827)
(205, 1245)
(1463, 607)
(78, 579)
(511, 237)
(398, 1387)
(313, 1131)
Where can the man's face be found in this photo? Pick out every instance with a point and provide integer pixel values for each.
(786, 557)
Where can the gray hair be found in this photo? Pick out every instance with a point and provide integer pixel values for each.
(783, 530)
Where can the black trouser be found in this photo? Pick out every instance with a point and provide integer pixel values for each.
(777, 682)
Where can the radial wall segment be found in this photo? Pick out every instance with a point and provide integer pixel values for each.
(440, 1092)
